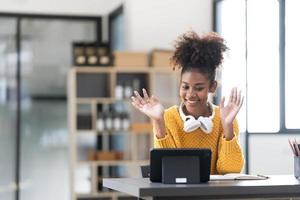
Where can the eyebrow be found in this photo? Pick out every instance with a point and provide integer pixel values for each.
(195, 84)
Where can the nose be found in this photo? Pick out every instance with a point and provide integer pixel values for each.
(191, 93)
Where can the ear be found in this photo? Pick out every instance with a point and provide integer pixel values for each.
(213, 87)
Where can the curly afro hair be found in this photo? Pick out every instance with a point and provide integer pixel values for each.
(201, 53)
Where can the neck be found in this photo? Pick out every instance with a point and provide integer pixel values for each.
(204, 111)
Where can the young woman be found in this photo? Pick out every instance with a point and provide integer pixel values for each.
(197, 123)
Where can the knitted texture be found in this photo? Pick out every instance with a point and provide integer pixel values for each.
(227, 156)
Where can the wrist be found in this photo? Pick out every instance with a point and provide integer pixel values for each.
(228, 132)
(157, 120)
(159, 127)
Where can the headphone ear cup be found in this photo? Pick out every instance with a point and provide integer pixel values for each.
(206, 124)
(190, 124)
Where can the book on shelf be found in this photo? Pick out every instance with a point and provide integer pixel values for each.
(238, 176)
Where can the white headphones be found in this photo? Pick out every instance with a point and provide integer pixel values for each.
(191, 124)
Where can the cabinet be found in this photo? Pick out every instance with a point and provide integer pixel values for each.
(108, 137)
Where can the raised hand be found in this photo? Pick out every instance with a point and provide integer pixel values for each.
(229, 112)
(150, 106)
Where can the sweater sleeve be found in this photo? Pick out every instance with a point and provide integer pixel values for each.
(230, 156)
(166, 142)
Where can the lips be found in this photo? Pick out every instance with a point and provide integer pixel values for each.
(191, 102)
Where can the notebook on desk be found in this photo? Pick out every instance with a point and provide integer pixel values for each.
(237, 176)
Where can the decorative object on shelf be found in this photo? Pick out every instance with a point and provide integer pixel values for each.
(79, 57)
(105, 155)
(100, 124)
(112, 121)
(108, 121)
(90, 51)
(125, 121)
(104, 55)
(119, 91)
(109, 155)
(128, 82)
(128, 90)
(116, 121)
(91, 54)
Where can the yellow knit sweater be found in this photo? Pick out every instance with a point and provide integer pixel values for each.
(226, 156)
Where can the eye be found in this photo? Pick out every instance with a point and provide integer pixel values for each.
(185, 87)
(199, 88)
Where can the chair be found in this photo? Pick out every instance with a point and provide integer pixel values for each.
(145, 170)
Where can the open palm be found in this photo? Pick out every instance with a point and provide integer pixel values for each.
(229, 112)
(150, 106)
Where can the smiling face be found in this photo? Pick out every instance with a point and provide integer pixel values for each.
(194, 89)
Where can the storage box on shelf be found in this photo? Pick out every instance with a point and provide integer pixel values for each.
(108, 137)
(161, 57)
(130, 59)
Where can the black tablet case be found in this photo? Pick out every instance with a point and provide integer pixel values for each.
(181, 169)
(156, 159)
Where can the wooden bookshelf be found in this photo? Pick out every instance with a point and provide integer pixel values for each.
(136, 140)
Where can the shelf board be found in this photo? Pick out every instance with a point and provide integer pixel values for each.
(101, 194)
(111, 69)
(101, 100)
(115, 162)
(94, 132)
(133, 70)
(89, 69)
(122, 69)
(166, 69)
(111, 100)
(89, 100)
(87, 132)
(124, 133)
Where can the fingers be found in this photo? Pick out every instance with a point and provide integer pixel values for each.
(234, 95)
(239, 97)
(146, 96)
(136, 103)
(139, 98)
(241, 102)
(222, 102)
(231, 95)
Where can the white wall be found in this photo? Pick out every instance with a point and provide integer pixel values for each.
(156, 24)
(149, 24)
(66, 7)
(271, 154)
